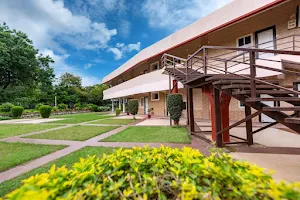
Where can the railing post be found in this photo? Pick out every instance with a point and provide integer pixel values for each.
(226, 67)
(204, 61)
(252, 74)
(294, 43)
(186, 70)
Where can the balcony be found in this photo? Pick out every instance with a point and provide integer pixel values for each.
(150, 82)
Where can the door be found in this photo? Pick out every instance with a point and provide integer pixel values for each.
(265, 118)
(146, 107)
(265, 39)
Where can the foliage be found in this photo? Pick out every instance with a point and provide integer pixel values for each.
(6, 107)
(133, 107)
(94, 108)
(55, 108)
(104, 108)
(37, 106)
(62, 106)
(4, 118)
(78, 105)
(118, 111)
(150, 110)
(175, 106)
(17, 111)
(156, 173)
(45, 111)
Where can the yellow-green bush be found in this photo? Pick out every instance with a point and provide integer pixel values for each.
(156, 173)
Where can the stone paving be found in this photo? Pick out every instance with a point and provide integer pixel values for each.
(76, 145)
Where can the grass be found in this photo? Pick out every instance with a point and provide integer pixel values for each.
(78, 133)
(9, 130)
(67, 160)
(151, 134)
(13, 154)
(79, 118)
(114, 121)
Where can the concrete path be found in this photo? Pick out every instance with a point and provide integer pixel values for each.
(76, 145)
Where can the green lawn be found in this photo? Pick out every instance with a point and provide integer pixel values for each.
(151, 134)
(78, 133)
(78, 118)
(114, 121)
(67, 160)
(9, 130)
(13, 154)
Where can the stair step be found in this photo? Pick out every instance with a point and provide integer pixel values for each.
(292, 120)
(292, 108)
(273, 99)
(229, 82)
(224, 77)
(246, 86)
(262, 92)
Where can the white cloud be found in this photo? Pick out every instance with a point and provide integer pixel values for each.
(121, 49)
(88, 65)
(60, 67)
(124, 28)
(48, 21)
(118, 54)
(169, 15)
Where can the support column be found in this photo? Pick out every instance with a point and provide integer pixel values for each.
(175, 87)
(124, 110)
(120, 103)
(187, 105)
(249, 126)
(112, 105)
(224, 106)
(191, 110)
(218, 118)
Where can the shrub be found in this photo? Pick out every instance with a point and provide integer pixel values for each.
(94, 108)
(133, 107)
(55, 108)
(37, 106)
(156, 173)
(62, 106)
(6, 107)
(175, 106)
(17, 111)
(77, 106)
(45, 111)
(104, 108)
(118, 111)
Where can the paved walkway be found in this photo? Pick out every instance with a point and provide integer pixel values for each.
(76, 145)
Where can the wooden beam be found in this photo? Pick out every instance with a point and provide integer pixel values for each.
(249, 125)
(218, 118)
(191, 110)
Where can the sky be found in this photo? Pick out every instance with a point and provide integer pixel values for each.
(91, 38)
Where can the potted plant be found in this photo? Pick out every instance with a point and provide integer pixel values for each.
(150, 112)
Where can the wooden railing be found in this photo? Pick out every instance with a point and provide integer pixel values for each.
(235, 61)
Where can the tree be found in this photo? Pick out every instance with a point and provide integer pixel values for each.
(175, 106)
(95, 95)
(19, 63)
(69, 80)
(133, 107)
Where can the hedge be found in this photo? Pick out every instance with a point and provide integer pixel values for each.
(175, 106)
(45, 111)
(62, 106)
(16, 111)
(133, 107)
(6, 107)
(156, 173)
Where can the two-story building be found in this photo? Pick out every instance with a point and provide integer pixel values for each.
(265, 24)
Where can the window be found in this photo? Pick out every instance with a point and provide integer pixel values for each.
(154, 96)
(244, 41)
(154, 66)
(241, 104)
(142, 101)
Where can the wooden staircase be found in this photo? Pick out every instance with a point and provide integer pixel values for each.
(200, 70)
